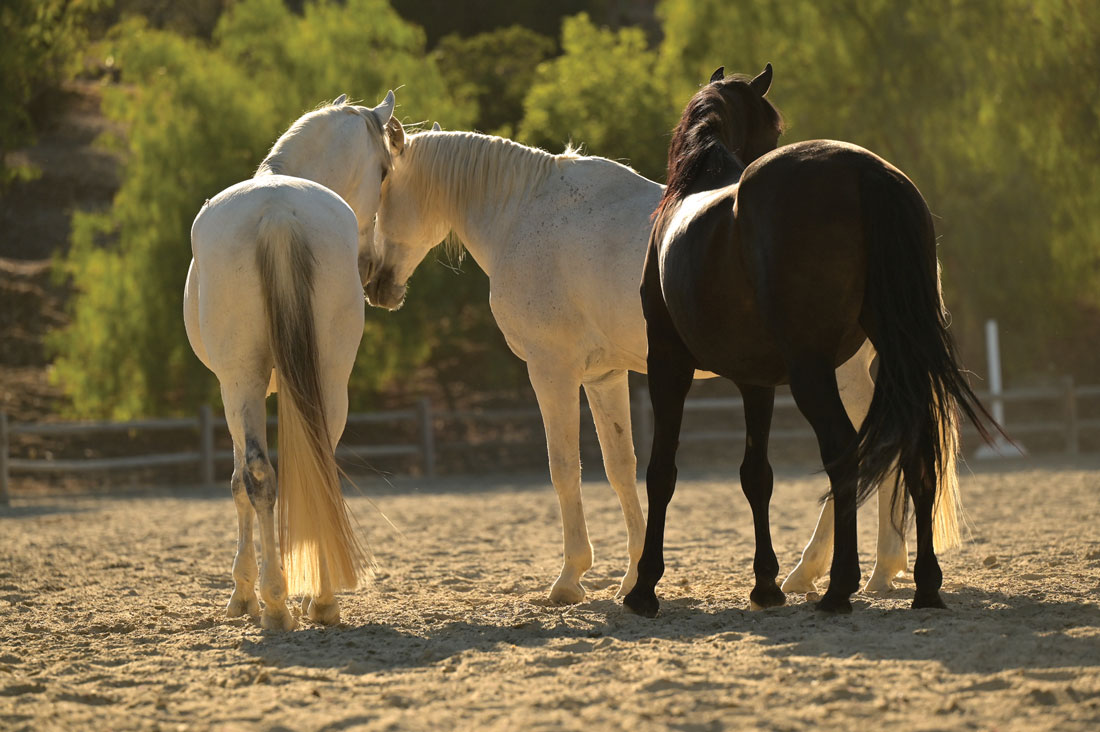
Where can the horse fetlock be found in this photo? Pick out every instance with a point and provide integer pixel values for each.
(277, 617)
(629, 580)
(243, 603)
(566, 591)
(882, 578)
(326, 613)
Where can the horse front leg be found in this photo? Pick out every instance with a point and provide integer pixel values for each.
(610, 401)
(558, 391)
(757, 482)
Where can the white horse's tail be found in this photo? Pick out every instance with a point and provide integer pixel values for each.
(319, 547)
(945, 513)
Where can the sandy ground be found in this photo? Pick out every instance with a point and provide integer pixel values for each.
(111, 618)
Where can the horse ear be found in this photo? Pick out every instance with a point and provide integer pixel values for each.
(718, 74)
(436, 127)
(385, 109)
(342, 99)
(763, 81)
(396, 134)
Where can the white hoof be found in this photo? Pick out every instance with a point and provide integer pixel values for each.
(277, 619)
(242, 604)
(799, 582)
(881, 581)
(565, 592)
(629, 580)
(324, 614)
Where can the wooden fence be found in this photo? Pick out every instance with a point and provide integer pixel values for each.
(424, 421)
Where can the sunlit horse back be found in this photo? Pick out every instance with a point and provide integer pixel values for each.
(274, 302)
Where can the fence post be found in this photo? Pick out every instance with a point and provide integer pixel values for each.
(643, 425)
(5, 496)
(1073, 435)
(206, 445)
(427, 435)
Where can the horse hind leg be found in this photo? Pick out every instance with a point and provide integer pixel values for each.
(815, 391)
(757, 482)
(246, 416)
(243, 601)
(610, 402)
(926, 569)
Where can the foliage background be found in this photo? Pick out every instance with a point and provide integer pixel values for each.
(991, 106)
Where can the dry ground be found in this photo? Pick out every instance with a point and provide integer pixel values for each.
(110, 618)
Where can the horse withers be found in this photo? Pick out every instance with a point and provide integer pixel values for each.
(777, 273)
(274, 300)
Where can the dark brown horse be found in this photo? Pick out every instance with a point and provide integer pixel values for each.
(774, 274)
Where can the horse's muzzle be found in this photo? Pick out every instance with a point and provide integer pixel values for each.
(383, 292)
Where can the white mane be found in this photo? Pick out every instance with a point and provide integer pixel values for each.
(276, 160)
(451, 171)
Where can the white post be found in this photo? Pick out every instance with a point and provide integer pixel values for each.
(993, 356)
(1000, 447)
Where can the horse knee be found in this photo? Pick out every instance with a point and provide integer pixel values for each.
(622, 471)
(564, 472)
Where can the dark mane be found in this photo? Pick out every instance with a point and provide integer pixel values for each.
(726, 119)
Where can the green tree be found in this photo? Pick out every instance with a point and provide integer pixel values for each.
(39, 44)
(990, 107)
(496, 69)
(602, 92)
(198, 118)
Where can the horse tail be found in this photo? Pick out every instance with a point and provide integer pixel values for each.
(913, 420)
(320, 550)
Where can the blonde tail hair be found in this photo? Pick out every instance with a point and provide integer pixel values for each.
(947, 506)
(320, 550)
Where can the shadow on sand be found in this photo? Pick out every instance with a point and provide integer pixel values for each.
(983, 633)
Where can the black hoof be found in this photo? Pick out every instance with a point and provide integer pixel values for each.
(928, 599)
(642, 603)
(767, 596)
(835, 604)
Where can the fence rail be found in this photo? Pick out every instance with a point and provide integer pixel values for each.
(424, 419)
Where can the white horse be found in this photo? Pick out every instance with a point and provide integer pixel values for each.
(563, 240)
(273, 299)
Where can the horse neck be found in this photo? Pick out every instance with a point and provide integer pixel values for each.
(320, 156)
(720, 168)
(478, 186)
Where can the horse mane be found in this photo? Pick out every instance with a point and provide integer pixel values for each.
(706, 128)
(276, 160)
(449, 171)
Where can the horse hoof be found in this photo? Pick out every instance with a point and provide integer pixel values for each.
(566, 593)
(799, 583)
(881, 581)
(278, 620)
(242, 605)
(764, 597)
(629, 580)
(835, 605)
(928, 599)
(324, 614)
(642, 603)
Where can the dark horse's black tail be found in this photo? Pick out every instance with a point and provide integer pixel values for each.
(920, 389)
